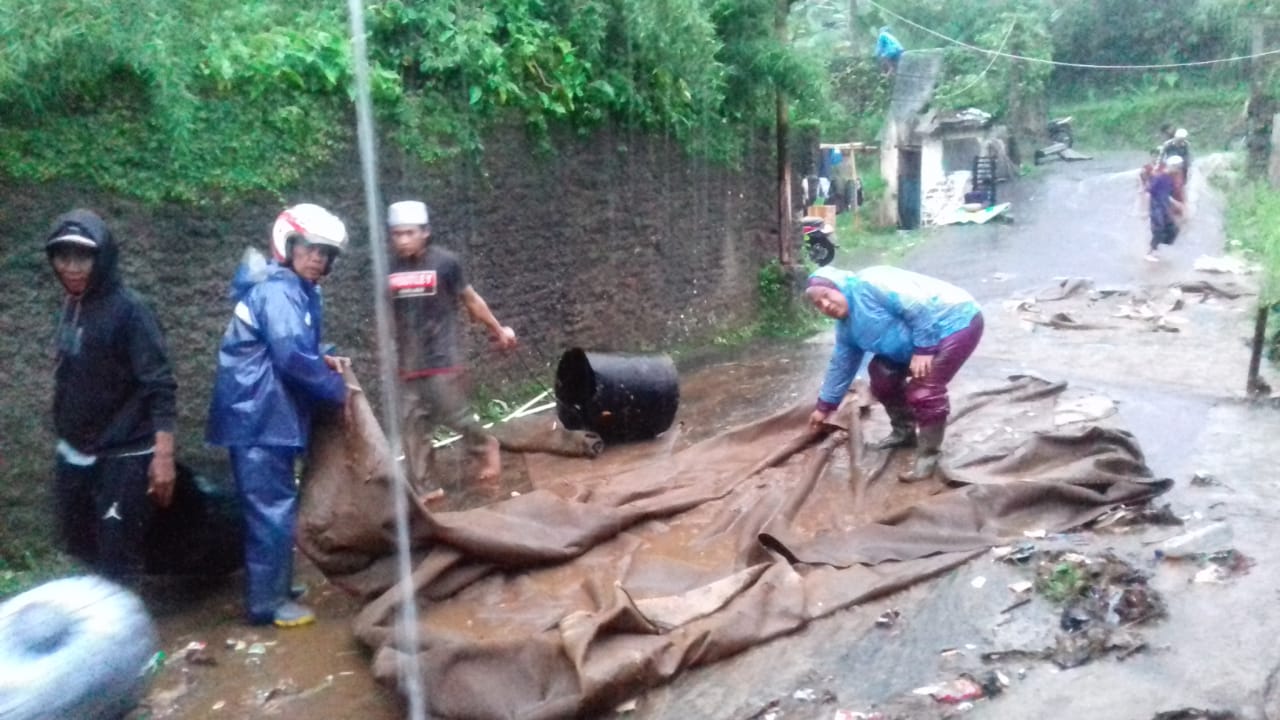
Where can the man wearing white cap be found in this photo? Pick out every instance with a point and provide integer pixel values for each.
(427, 287)
(1178, 146)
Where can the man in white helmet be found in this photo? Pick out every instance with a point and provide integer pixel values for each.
(271, 375)
(427, 288)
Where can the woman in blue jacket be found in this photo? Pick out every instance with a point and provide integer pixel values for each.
(271, 375)
(919, 330)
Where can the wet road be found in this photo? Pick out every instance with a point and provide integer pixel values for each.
(1181, 396)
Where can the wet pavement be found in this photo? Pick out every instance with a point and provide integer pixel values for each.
(1180, 393)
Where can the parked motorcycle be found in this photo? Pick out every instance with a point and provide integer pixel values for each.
(1060, 139)
(819, 239)
(1060, 131)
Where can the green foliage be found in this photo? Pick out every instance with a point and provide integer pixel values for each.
(1137, 32)
(972, 79)
(1132, 120)
(860, 94)
(25, 570)
(1062, 583)
(1253, 224)
(197, 100)
(784, 312)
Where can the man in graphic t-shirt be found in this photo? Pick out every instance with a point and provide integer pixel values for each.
(427, 286)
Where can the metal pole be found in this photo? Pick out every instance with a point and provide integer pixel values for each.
(410, 674)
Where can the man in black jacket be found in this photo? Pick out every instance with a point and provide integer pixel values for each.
(113, 403)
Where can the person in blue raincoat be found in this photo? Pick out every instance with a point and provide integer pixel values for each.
(920, 331)
(888, 50)
(271, 375)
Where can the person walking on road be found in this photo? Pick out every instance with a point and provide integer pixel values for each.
(919, 330)
(114, 403)
(271, 377)
(428, 287)
(1164, 207)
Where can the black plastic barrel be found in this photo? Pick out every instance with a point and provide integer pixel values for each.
(617, 396)
(200, 533)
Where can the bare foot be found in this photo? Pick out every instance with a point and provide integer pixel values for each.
(489, 468)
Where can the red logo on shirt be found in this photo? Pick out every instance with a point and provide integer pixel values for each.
(409, 284)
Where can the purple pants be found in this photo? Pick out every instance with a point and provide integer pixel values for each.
(925, 399)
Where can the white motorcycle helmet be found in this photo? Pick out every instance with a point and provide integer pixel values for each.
(311, 224)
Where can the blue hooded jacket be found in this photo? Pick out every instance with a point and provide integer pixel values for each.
(271, 372)
(893, 314)
(887, 46)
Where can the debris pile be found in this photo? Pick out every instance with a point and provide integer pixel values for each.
(1102, 599)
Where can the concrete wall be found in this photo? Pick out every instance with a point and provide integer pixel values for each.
(616, 241)
(932, 171)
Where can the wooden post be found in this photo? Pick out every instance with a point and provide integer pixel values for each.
(1260, 110)
(1253, 386)
(782, 129)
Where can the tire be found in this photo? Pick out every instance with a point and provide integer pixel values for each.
(821, 250)
(74, 648)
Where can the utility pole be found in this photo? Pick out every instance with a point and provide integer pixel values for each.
(1260, 110)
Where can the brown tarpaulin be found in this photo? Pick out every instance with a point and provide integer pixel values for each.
(613, 575)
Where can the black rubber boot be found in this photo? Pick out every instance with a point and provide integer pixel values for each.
(928, 453)
(903, 433)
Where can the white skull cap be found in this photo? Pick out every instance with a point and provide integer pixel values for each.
(407, 212)
(1180, 133)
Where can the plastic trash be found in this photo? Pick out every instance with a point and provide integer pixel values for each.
(957, 691)
(888, 618)
(1203, 540)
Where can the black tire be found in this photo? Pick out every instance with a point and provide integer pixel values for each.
(821, 250)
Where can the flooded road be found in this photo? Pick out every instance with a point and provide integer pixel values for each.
(1179, 393)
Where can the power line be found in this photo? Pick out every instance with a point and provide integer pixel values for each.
(978, 79)
(1061, 63)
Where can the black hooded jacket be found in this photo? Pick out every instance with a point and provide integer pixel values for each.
(113, 386)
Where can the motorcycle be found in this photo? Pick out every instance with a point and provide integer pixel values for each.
(819, 237)
(1060, 139)
(1060, 131)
